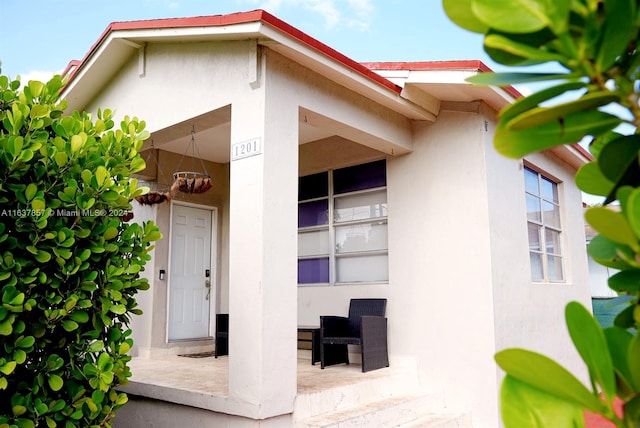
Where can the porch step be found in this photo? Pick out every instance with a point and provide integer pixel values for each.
(351, 388)
(440, 421)
(410, 410)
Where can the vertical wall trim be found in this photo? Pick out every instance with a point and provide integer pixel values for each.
(255, 65)
(142, 61)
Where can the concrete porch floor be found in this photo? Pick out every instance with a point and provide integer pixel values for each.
(338, 396)
(210, 376)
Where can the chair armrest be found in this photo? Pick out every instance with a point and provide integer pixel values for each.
(333, 326)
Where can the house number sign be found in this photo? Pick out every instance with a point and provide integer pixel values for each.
(245, 149)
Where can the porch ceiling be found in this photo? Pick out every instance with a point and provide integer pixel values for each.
(213, 135)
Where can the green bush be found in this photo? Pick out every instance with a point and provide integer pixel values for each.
(70, 262)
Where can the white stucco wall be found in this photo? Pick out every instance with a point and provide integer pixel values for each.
(178, 82)
(531, 315)
(440, 263)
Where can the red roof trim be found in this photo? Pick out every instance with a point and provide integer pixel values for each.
(471, 65)
(584, 152)
(73, 64)
(328, 51)
(230, 19)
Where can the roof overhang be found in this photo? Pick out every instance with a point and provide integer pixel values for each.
(122, 39)
(445, 81)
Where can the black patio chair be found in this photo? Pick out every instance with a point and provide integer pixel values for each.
(366, 326)
(222, 335)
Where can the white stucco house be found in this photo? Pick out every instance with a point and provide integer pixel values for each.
(332, 180)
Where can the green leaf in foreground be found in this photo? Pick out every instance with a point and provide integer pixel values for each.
(618, 341)
(590, 180)
(524, 104)
(526, 407)
(541, 115)
(459, 11)
(505, 79)
(608, 253)
(544, 374)
(524, 50)
(589, 340)
(569, 130)
(612, 225)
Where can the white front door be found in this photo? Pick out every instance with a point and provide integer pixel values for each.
(191, 278)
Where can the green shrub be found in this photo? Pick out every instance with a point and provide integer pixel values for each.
(70, 263)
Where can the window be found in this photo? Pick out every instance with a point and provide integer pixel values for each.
(342, 225)
(543, 223)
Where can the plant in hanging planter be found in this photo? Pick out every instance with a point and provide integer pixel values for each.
(69, 264)
(153, 198)
(191, 182)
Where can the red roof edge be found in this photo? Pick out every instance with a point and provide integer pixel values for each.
(73, 64)
(328, 51)
(467, 65)
(230, 19)
(584, 152)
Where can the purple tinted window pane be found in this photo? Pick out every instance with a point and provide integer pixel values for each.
(360, 177)
(313, 186)
(313, 213)
(313, 271)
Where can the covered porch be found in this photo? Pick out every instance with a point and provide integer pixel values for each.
(253, 260)
(336, 396)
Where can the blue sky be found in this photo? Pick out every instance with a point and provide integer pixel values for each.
(40, 37)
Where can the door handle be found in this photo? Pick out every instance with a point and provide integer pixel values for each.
(207, 284)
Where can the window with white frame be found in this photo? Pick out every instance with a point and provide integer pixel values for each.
(543, 223)
(342, 225)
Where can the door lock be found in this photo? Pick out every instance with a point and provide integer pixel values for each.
(207, 284)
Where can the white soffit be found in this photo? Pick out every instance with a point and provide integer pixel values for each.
(448, 85)
(451, 85)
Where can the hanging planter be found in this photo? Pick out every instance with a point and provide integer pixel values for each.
(191, 181)
(154, 197)
(128, 215)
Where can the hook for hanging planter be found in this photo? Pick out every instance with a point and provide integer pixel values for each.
(191, 181)
(154, 196)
